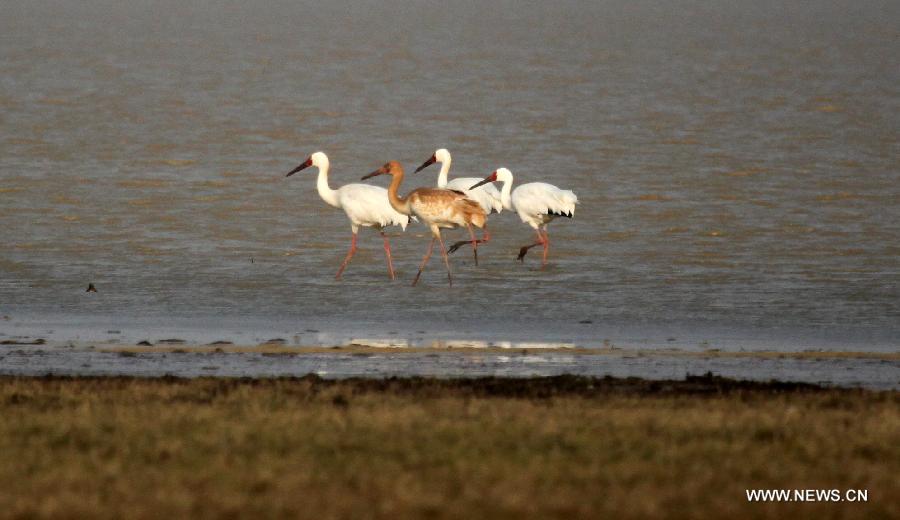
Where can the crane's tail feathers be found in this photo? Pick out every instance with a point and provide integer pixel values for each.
(474, 212)
(566, 208)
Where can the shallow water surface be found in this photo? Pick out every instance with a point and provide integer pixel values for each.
(736, 166)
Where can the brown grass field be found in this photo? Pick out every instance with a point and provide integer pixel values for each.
(557, 447)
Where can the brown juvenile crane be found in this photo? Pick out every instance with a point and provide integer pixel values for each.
(437, 208)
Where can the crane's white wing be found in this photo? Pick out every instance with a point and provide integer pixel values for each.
(487, 196)
(542, 201)
(368, 205)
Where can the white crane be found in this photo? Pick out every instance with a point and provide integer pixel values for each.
(365, 206)
(537, 204)
(488, 196)
(437, 208)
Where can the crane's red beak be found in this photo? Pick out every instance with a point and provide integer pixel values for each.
(426, 164)
(490, 178)
(305, 164)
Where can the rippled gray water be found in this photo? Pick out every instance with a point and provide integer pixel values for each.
(737, 167)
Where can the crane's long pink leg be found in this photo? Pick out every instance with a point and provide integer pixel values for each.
(474, 243)
(424, 261)
(446, 259)
(546, 247)
(485, 237)
(387, 251)
(524, 250)
(347, 258)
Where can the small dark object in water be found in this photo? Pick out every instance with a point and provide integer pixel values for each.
(275, 341)
(585, 322)
(220, 342)
(144, 343)
(171, 341)
(39, 341)
(91, 288)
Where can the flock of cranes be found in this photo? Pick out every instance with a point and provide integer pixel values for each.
(463, 202)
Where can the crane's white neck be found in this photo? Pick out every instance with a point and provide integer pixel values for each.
(505, 193)
(445, 169)
(329, 195)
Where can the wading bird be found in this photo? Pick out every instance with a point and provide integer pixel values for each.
(437, 208)
(488, 197)
(537, 204)
(364, 204)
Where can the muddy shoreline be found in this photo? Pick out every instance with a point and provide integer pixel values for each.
(482, 387)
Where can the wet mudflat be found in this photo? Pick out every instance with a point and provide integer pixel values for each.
(846, 369)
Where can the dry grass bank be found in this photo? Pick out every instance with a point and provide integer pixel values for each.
(554, 447)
